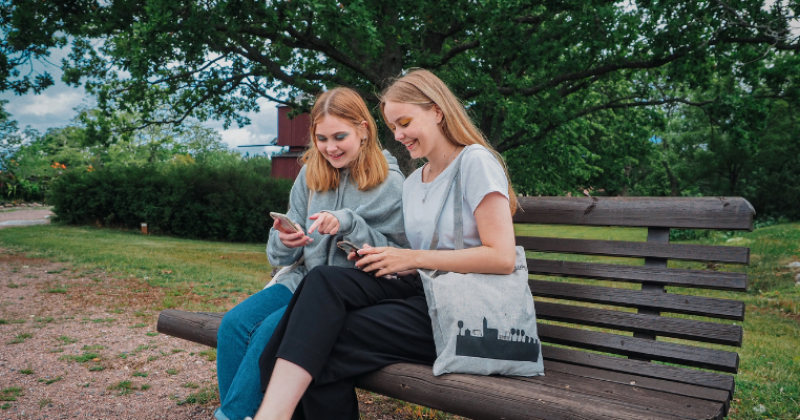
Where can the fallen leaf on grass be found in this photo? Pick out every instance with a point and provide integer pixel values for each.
(166, 272)
(222, 257)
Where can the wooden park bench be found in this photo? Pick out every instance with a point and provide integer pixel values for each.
(591, 374)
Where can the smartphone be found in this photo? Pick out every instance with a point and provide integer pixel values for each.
(349, 247)
(286, 222)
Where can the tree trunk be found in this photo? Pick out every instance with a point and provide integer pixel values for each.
(673, 182)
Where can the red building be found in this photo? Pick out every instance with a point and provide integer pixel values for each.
(295, 134)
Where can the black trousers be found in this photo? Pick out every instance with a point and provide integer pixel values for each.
(342, 323)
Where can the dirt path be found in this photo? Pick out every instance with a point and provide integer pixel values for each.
(70, 339)
(82, 344)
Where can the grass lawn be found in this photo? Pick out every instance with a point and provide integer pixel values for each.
(768, 383)
(188, 269)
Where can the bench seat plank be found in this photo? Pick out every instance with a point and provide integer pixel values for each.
(671, 387)
(634, 395)
(658, 325)
(494, 397)
(724, 361)
(537, 398)
(199, 327)
(705, 279)
(639, 367)
(706, 253)
(665, 302)
(202, 328)
(725, 213)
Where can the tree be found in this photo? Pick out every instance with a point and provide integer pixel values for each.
(525, 69)
(10, 140)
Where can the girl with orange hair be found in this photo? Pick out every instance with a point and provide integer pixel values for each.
(348, 189)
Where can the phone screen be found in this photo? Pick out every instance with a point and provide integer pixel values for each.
(348, 247)
(285, 221)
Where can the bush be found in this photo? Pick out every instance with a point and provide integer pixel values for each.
(688, 234)
(219, 200)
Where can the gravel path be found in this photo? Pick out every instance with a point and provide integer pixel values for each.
(79, 343)
(24, 214)
(24, 217)
(70, 339)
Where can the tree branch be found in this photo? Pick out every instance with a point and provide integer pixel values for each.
(458, 49)
(515, 140)
(594, 72)
(764, 39)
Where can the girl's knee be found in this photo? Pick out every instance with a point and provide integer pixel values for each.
(230, 322)
(319, 275)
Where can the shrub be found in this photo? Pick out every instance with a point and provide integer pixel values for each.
(218, 200)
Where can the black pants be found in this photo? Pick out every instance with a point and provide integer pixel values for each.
(342, 323)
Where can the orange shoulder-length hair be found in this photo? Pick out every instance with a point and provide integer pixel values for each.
(370, 168)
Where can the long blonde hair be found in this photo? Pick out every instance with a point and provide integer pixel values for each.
(421, 87)
(369, 168)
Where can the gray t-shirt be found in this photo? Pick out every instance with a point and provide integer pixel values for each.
(481, 174)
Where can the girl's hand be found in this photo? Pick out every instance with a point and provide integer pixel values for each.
(386, 260)
(352, 256)
(291, 239)
(325, 222)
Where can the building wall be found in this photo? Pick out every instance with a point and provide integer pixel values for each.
(295, 134)
(286, 166)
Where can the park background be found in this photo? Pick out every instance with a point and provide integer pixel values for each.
(626, 98)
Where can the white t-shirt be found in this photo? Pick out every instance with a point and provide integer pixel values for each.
(481, 174)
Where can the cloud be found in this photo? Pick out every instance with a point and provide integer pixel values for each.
(244, 136)
(48, 104)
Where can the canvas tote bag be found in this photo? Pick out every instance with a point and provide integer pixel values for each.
(483, 324)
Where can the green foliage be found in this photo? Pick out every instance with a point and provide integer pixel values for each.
(20, 338)
(525, 69)
(745, 145)
(84, 358)
(221, 196)
(35, 161)
(206, 395)
(210, 354)
(10, 393)
(50, 381)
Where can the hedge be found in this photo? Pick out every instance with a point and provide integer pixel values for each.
(228, 202)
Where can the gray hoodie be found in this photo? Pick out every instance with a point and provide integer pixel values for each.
(374, 217)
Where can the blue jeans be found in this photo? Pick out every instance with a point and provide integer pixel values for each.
(244, 332)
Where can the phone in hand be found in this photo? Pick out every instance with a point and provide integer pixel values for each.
(286, 222)
(349, 247)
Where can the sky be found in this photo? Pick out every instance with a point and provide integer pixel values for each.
(55, 107)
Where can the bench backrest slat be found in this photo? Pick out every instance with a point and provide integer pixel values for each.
(659, 216)
(705, 279)
(728, 213)
(705, 253)
(667, 302)
(663, 351)
(686, 329)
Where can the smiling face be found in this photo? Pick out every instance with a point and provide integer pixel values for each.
(416, 127)
(338, 141)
